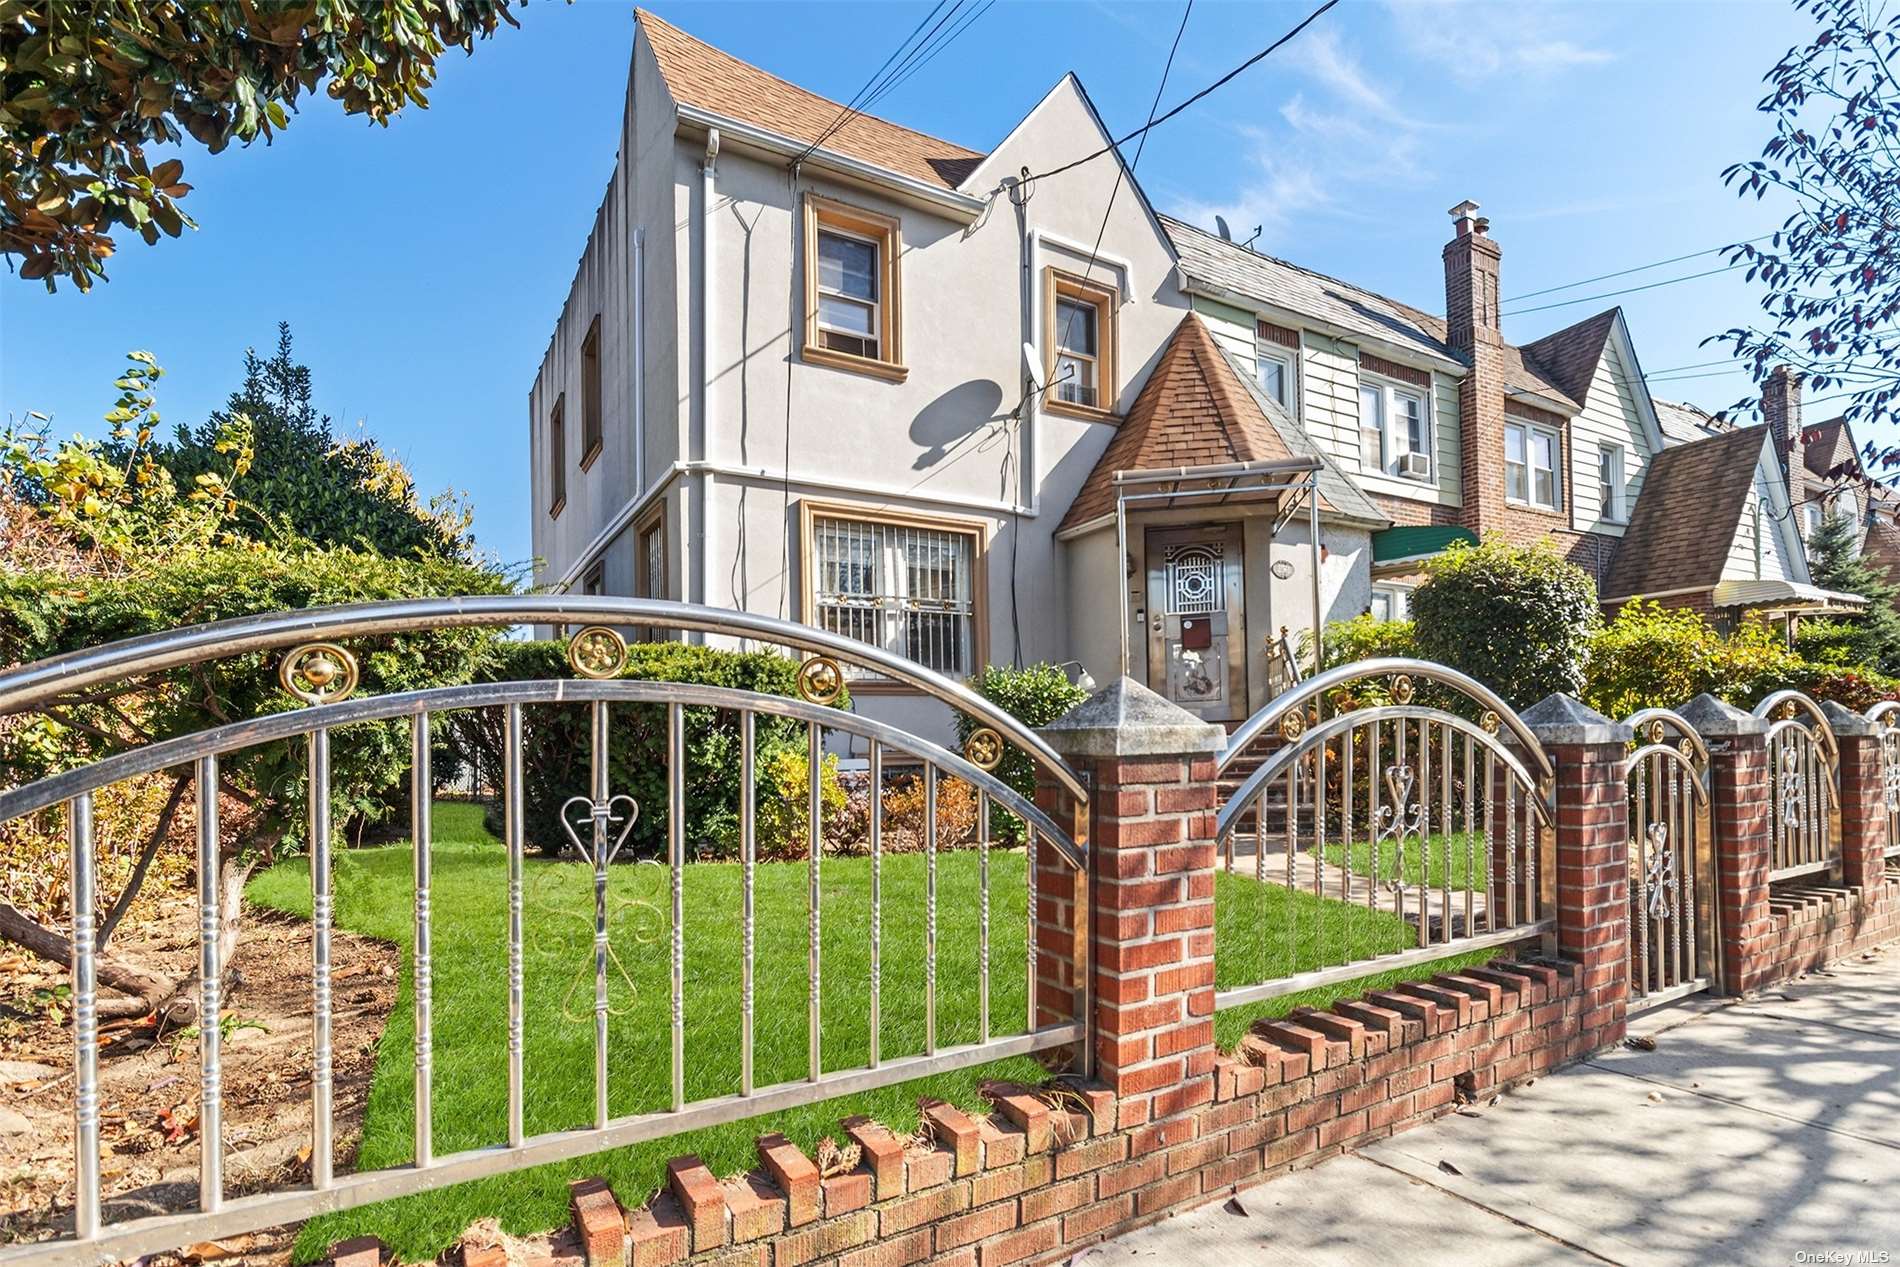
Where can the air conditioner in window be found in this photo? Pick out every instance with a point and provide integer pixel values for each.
(1414, 466)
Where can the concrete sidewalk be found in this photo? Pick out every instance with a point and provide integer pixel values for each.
(1754, 1132)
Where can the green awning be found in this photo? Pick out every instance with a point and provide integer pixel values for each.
(1417, 542)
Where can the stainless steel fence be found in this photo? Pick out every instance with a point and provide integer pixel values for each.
(1886, 715)
(1804, 770)
(318, 667)
(1386, 828)
(1673, 911)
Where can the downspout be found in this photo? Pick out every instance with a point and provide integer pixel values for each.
(703, 520)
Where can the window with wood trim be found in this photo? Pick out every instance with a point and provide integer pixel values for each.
(594, 582)
(649, 564)
(908, 585)
(1079, 345)
(590, 394)
(557, 456)
(1611, 495)
(853, 300)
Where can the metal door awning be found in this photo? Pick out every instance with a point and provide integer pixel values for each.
(1286, 484)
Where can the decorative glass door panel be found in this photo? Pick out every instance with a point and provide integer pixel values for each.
(1197, 643)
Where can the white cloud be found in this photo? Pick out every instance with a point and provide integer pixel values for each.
(1475, 39)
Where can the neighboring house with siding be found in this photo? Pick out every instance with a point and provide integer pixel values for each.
(829, 368)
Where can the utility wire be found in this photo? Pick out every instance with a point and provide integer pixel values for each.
(851, 107)
(1640, 268)
(1627, 290)
(1305, 22)
(943, 42)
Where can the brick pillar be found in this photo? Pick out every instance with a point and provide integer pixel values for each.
(1591, 756)
(1740, 795)
(1151, 771)
(1863, 797)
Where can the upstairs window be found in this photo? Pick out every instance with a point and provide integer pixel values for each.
(557, 456)
(908, 586)
(1079, 341)
(1533, 474)
(1274, 372)
(1395, 430)
(1610, 491)
(852, 297)
(590, 395)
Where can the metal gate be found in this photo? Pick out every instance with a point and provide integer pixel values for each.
(315, 654)
(1673, 912)
(1401, 818)
(1886, 715)
(1804, 771)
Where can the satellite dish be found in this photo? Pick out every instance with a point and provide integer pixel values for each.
(1226, 234)
(1032, 366)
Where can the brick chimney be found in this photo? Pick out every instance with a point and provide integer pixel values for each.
(1781, 410)
(1471, 324)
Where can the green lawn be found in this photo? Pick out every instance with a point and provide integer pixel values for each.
(374, 895)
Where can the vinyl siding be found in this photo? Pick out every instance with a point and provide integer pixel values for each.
(1609, 416)
(1775, 566)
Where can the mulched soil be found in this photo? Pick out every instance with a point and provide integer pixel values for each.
(149, 1079)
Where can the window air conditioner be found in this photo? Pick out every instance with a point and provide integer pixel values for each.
(1415, 466)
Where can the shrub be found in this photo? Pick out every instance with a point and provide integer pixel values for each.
(1035, 696)
(1517, 618)
(1858, 689)
(783, 790)
(556, 738)
(1651, 656)
(1823, 641)
(1364, 637)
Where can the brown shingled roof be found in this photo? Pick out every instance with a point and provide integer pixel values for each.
(1570, 355)
(698, 74)
(1193, 411)
(1686, 516)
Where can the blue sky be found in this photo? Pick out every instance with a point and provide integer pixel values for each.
(422, 266)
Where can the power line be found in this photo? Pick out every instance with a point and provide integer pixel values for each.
(1683, 378)
(1640, 268)
(942, 43)
(851, 107)
(1699, 365)
(1627, 290)
(1305, 22)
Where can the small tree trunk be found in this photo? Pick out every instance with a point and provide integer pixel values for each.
(148, 990)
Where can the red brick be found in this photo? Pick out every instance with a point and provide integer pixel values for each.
(1018, 1245)
(1063, 1197)
(656, 1234)
(898, 1252)
(925, 1207)
(358, 1251)
(701, 1198)
(1168, 1193)
(1097, 1218)
(970, 1228)
(833, 1236)
(1091, 1156)
(996, 1185)
(757, 1208)
(484, 1256)
(1002, 1144)
(847, 1192)
(882, 1155)
(795, 1174)
(927, 1168)
(599, 1222)
(1030, 1115)
(1119, 1179)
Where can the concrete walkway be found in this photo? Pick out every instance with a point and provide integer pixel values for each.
(1755, 1131)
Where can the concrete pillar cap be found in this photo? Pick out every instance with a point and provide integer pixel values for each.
(1714, 719)
(1845, 721)
(1126, 719)
(1564, 719)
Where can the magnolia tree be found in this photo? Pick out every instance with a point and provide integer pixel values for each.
(1830, 277)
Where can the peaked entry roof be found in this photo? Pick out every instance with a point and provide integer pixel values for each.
(1687, 515)
(1194, 410)
(698, 74)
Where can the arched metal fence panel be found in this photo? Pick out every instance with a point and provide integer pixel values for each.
(1673, 911)
(1804, 771)
(1886, 715)
(617, 914)
(1383, 827)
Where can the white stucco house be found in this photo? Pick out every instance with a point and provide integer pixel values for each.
(822, 366)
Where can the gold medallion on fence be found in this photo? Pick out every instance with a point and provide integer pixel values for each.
(983, 749)
(597, 652)
(1292, 725)
(318, 673)
(820, 680)
(1402, 690)
(1686, 747)
(1490, 721)
(1787, 710)
(1657, 731)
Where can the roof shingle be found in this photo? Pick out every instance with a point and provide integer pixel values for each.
(1686, 516)
(698, 74)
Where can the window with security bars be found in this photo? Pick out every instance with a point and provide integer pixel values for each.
(906, 588)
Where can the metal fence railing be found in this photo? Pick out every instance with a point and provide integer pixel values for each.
(1401, 817)
(317, 666)
(1804, 772)
(1886, 715)
(1673, 910)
